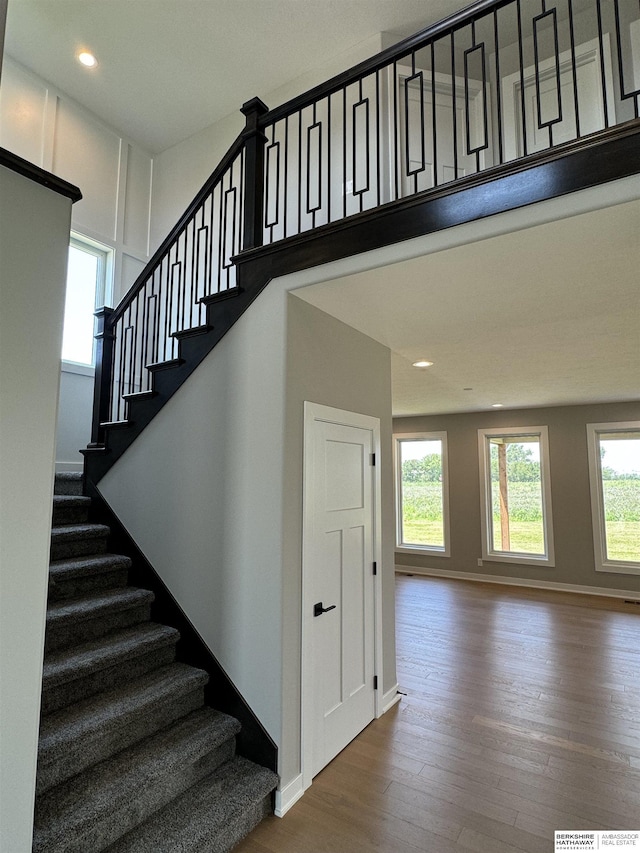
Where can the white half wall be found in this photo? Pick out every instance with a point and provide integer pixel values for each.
(34, 235)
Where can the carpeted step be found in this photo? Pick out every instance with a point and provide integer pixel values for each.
(79, 576)
(94, 809)
(76, 540)
(211, 817)
(70, 509)
(75, 674)
(95, 615)
(68, 483)
(75, 738)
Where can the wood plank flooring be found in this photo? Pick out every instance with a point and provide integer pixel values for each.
(521, 716)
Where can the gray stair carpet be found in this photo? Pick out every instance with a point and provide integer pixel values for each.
(129, 757)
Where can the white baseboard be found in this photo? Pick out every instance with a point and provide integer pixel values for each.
(390, 698)
(524, 582)
(288, 796)
(69, 467)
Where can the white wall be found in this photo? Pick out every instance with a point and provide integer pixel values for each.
(180, 171)
(34, 234)
(48, 128)
(3, 22)
(213, 492)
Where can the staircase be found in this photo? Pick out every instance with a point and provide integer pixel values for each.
(130, 759)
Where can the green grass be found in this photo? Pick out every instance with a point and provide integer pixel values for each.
(421, 532)
(526, 537)
(623, 540)
(422, 522)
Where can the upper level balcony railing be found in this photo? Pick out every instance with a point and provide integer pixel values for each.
(477, 93)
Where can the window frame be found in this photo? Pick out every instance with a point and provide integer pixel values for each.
(493, 555)
(103, 293)
(407, 548)
(596, 488)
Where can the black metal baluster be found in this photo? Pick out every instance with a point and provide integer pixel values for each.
(522, 95)
(434, 129)
(378, 144)
(453, 102)
(574, 70)
(498, 86)
(344, 152)
(602, 64)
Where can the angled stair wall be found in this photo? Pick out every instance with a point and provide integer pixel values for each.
(130, 757)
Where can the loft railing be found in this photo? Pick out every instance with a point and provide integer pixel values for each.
(478, 92)
(495, 83)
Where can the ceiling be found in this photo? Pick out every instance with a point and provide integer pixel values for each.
(168, 68)
(548, 315)
(545, 316)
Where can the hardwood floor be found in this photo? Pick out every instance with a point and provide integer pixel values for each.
(521, 716)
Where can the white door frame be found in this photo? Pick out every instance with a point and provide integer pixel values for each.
(314, 412)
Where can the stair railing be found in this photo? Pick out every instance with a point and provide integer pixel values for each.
(465, 100)
(497, 82)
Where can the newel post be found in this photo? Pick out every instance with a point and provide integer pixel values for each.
(254, 140)
(102, 383)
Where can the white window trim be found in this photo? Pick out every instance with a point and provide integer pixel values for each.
(602, 563)
(77, 367)
(494, 556)
(104, 292)
(434, 550)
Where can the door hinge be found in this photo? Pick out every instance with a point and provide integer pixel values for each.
(375, 682)
(373, 458)
(375, 568)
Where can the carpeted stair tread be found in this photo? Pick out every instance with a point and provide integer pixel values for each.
(90, 616)
(70, 509)
(77, 575)
(71, 540)
(64, 532)
(211, 817)
(88, 732)
(68, 483)
(95, 665)
(91, 811)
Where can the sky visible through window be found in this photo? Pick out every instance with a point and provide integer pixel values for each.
(77, 343)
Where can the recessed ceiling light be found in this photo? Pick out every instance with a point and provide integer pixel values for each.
(496, 405)
(422, 364)
(87, 59)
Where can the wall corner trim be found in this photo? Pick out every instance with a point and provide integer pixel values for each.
(289, 795)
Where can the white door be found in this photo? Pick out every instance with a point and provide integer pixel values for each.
(339, 584)
(417, 149)
(591, 102)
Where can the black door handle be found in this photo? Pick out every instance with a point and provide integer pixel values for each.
(318, 609)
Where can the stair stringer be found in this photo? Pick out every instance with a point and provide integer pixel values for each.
(252, 741)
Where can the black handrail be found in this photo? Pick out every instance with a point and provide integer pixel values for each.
(177, 229)
(382, 59)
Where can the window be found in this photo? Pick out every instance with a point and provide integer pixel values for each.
(614, 474)
(422, 492)
(515, 494)
(86, 291)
